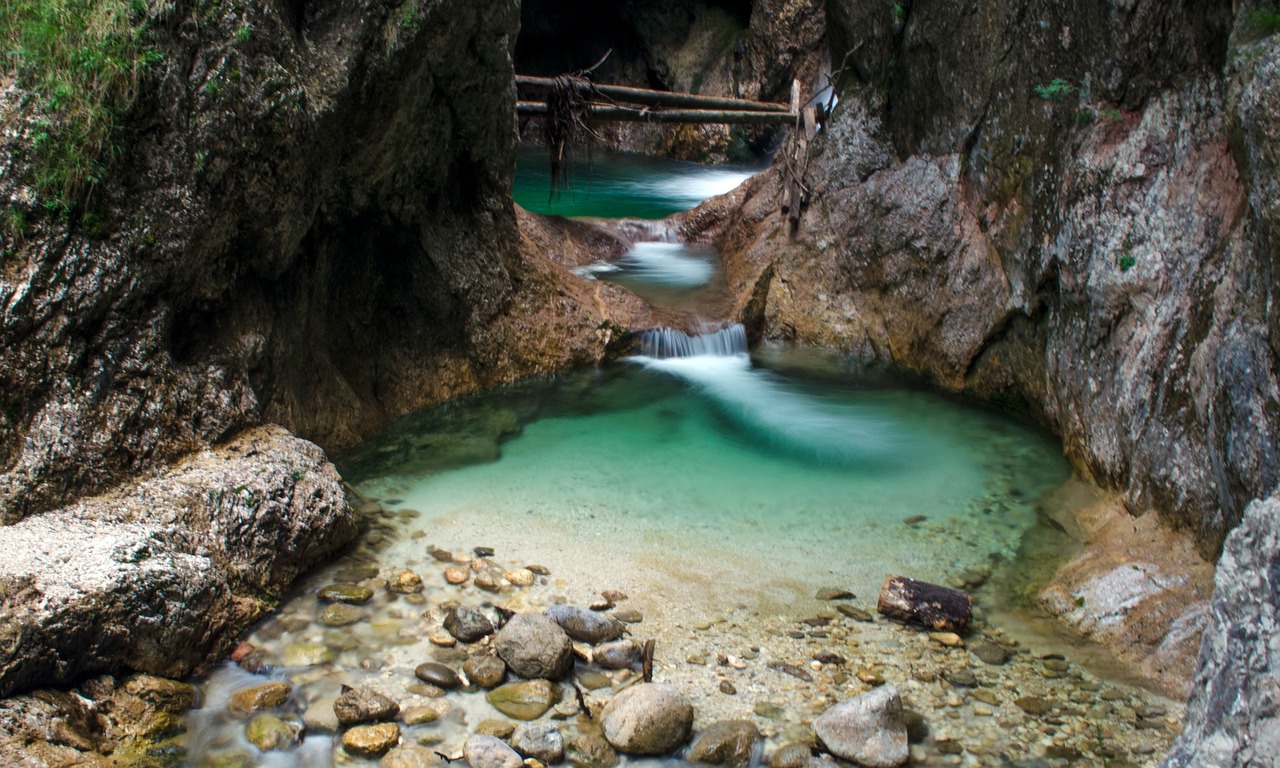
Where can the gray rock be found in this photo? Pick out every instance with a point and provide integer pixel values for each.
(533, 646)
(363, 705)
(584, 624)
(541, 741)
(437, 674)
(468, 624)
(271, 733)
(1232, 718)
(868, 729)
(619, 654)
(727, 742)
(647, 719)
(184, 547)
(489, 752)
(591, 749)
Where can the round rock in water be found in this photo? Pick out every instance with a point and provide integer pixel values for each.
(534, 646)
(869, 729)
(371, 740)
(268, 733)
(525, 700)
(247, 701)
(620, 654)
(647, 719)
(361, 705)
(405, 583)
(467, 624)
(541, 741)
(485, 671)
(489, 752)
(437, 674)
(410, 756)
(728, 742)
(352, 594)
(584, 624)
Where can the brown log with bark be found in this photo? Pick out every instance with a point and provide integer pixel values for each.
(919, 602)
(641, 114)
(631, 95)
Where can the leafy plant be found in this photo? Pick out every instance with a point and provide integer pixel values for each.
(244, 33)
(1085, 117)
(1055, 89)
(1264, 23)
(14, 223)
(1111, 114)
(899, 12)
(1126, 261)
(83, 59)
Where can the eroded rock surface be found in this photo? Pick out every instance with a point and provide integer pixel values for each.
(159, 575)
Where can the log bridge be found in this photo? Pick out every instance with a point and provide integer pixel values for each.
(620, 102)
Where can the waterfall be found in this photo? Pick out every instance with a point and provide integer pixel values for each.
(665, 343)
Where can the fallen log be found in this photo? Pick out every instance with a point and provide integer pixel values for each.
(919, 602)
(632, 95)
(636, 114)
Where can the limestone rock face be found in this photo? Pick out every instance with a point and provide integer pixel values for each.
(1232, 719)
(160, 575)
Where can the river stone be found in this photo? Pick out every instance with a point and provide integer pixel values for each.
(620, 654)
(486, 671)
(467, 624)
(499, 729)
(1033, 705)
(727, 742)
(793, 754)
(371, 740)
(869, 729)
(340, 615)
(405, 583)
(247, 701)
(526, 700)
(164, 694)
(456, 576)
(306, 655)
(584, 624)
(990, 653)
(629, 615)
(534, 646)
(363, 705)
(437, 674)
(489, 752)
(352, 594)
(410, 756)
(521, 577)
(541, 741)
(647, 719)
(268, 732)
(590, 750)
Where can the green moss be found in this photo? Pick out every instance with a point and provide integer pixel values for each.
(1126, 260)
(1055, 90)
(1264, 23)
(83, 59)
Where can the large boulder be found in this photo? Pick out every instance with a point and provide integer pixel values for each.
(1233, 718)
(534, 646)
(870, 729)
(585, 625)
(647, 719)
(160, 575)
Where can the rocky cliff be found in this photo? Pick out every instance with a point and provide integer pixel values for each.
(309, 223)
(1069, 208)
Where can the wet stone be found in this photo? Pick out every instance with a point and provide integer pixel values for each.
(961, 678)
(728, 688)
(437, 674)
(307, 655)
(584, 625)
(768, 710)
(526, 700)
(483, 751)
(592, 751)
(258, 698)
(371, 740)
(1033, 705)
(520, 577)
(647, 719)
(485, 671)
(410, 756)
(855, 613)
(534, 646)
(405, 583)
(456, 575)
(629, 616)
(793, 754)
(363, 705)
(340, 615)
(728, 743)
(468, 624)
(619, 654)
(986, 696)
(592, 680)
(419, 715)
(541, 741)
(834, 593)
(499, 729)
(869, 729)
(352, 594)
(990, 653)
(270, 733)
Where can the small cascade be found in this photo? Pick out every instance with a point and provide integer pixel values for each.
(665, 343)
(646, 230)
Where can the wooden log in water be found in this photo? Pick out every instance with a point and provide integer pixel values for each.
(636, 114)
(919, 602)
(653, 98)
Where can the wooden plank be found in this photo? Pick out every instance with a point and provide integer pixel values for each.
(920, 602)
(636, 114)
(810, 123)
(655, 98)
(794, 107)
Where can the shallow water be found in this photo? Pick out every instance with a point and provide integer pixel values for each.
(616, 185)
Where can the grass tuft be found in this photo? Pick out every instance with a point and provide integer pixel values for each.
(83, 59)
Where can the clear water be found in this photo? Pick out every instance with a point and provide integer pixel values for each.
(617, 185)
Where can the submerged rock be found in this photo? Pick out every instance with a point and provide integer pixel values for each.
(620, 654)
(585, 625)
(352, 594)
(269, 732)
(371, 740)
(489, 752)
(526, 700)
(869, 729)
(541, 741)
(410, 756)
(485, 671)
(468, 624)
(247, 701)
(362, 705)
(534, 646)
(727, 742)
(647, 719)
(437, 674)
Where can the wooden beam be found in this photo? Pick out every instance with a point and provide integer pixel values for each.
(655, 98)
(636, 114)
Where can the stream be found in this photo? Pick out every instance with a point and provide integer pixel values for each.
(721, 489)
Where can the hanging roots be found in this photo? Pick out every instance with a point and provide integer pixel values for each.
(568, 119)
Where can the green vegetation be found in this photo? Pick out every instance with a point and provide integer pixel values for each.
(1055, 90)
(1112, 114)
(899, 12)
(244, 33)
(1126, 260)
(1264, 23)
(83, 60)
(1085, 117)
